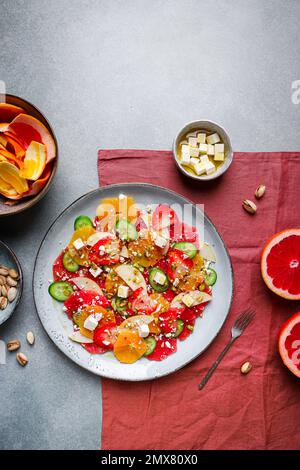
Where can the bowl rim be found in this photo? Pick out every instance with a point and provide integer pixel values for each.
(33, 200)
(21, 284)
(222, 169)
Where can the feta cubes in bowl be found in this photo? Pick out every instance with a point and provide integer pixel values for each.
(202, 150)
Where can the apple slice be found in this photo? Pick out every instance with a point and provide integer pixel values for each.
(35, 161)
(197, 296)
(208, 253)
(85, 283)
(77, 337)
(10, 174)
(132, 276)
(27, 128)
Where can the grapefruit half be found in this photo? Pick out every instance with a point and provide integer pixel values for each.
(289, 344)
(280, 264)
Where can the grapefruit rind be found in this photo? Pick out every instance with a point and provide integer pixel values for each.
(268, 280)
(283, 334)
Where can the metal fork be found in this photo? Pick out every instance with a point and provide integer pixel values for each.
(237, 329)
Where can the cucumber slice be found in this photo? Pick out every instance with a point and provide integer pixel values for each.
(187, 247)
(154, 284)
(126, 230)
(151, 345)
(210, 277)
(180, 327)
(120, 306)
(69, 263)
(60, 290)
(82, 221)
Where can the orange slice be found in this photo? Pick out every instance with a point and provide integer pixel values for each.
(10, 174)
(129, 347)
(6, 189)
(34, 162)
(112, 209)
(144, 252)
(81, 256)
(80, 317)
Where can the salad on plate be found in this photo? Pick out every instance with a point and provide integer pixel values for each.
(133, 280)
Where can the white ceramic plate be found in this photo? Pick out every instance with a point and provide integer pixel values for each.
(58, 326)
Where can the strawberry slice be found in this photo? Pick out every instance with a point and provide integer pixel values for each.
(105, 336)
(105, 252)
(164, 347)
(168, 320)
(179, 264)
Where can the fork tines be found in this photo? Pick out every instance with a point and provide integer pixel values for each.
(244, 319)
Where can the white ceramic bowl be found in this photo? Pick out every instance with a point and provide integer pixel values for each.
(211, 127)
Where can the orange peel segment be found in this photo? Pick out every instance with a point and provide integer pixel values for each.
(8, 112)
(129, 347)
(81, 257)
(10, 174)
(27, 128)
(34, 162)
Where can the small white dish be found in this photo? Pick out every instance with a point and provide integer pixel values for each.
(211, 127)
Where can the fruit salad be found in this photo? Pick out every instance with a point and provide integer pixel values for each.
(201, 152)
(133, 280)
(27, 151)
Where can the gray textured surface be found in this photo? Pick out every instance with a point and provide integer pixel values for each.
(127, 74)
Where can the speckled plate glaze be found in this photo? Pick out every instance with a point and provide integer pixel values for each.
(59, 327)
(8, 258)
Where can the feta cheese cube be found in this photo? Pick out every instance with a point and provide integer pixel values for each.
(199, 168)
(213, 138)
(210, 149)
(123, 292)
(203, 149)
(143, 330)
(95, 272)
(185, 159)
(194, 151)
(185, 149)
(193, 141)
(90, 323)
(161, 242)
(209, 168)
(201, 138)
(204, 159)
(219, 152)
(78, 244)
(160, 278)
(188, 300)
(98, 316)
(176, 282)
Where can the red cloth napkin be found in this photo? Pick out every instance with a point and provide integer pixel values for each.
(256, 411)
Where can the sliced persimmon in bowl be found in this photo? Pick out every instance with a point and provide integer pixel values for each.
(11, 175)
(34, 161)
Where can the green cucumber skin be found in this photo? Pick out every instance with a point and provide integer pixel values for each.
(211, 278)
(82, 221)
(153, 284)
(151, 345)
(180, 328)
(186, 247)
(56, 290)
(69, 264)
(128, 228)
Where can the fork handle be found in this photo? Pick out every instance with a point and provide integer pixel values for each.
(215, 365)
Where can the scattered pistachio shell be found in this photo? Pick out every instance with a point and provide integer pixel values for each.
(246, 367)
(30, 337)
(249, 206)
(22, 359)
(13, 345)
(260, 191)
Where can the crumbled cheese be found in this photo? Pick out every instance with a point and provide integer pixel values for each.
(78, 244)
(188, 300)
(143, 330)
(176, 282)
(106, 343)
(90, 323)
(161, 242)
(123, 292)
(95, 272)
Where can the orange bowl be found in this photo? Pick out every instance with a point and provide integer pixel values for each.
(27, 202)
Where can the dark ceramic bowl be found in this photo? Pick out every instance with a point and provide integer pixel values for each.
(27, 202)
